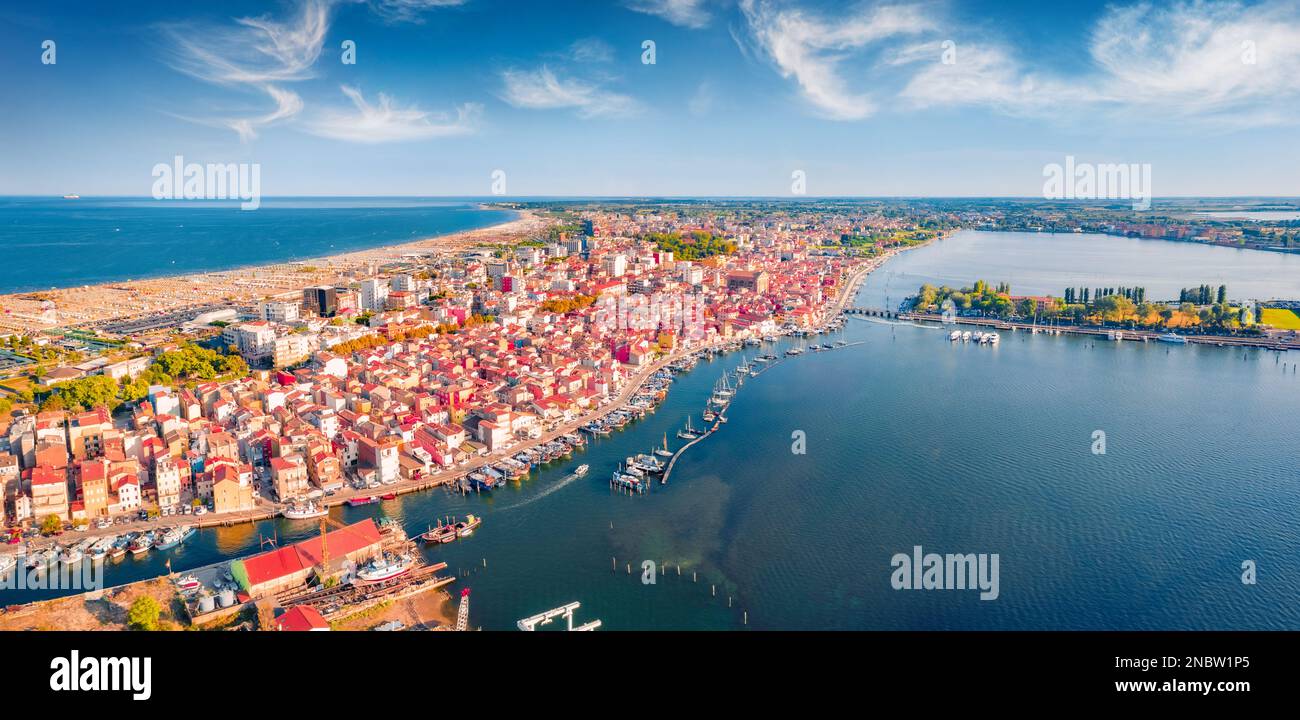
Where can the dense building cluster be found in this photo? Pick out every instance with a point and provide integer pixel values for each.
(409, 373)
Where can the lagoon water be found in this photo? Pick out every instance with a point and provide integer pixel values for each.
(1047, 263)
(910, 440)
(52, 242)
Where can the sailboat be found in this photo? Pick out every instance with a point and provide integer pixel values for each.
(664, 451)
(688, 432)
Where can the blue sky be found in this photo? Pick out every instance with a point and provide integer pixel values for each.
(742, 93)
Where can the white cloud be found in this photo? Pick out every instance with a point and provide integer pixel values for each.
(542, 89)
(811, 50)
(412, 11)
(385, 121)
(685, 13)
(259, 53)
(256, 54)
(591, 50)
(701, 103)
(1184, 62)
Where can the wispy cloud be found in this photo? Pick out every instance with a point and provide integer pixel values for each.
(685, 13)
(1222, 63)
(385, 121)
(255, 54)
(591, 50)
(812, 50)
(702, 101)
(263, 54)
(543, 89)
(409, 11)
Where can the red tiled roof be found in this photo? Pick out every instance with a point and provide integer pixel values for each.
(296, 558)
(302, 618)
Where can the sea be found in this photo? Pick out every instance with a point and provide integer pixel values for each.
(59, 243)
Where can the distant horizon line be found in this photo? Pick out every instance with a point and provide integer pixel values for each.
(794, 198)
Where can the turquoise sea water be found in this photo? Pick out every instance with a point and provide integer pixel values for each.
(52, 242)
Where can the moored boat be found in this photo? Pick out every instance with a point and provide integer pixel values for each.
(466, 527)
(384, 568)
(141, 545)
(304, 511)
(440, 534)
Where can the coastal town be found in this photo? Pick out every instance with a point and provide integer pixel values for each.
(463, 363)
(461, 367)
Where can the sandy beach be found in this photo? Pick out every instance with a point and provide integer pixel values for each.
(89, 305)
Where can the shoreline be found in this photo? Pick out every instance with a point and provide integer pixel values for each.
(118, 301)
(446, 477)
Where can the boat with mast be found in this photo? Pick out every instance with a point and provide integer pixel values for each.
(664, 451)
(688, 432)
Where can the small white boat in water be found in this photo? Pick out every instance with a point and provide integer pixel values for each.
(1172, 338)
(581, 470)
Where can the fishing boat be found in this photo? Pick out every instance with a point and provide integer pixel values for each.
(141, 544)
(304, 511)
(71, 555)
(384, 568)
(440, 534)
(101, 549)
(359, 501)
(119, 548)
(187, 583)
(581, 470)
(664, 451)
(176, 536)
(709, 416)
(170, 538)
(466, 527)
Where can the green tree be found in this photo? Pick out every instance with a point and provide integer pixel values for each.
(89, 392)
(50, 524)
(144, 614)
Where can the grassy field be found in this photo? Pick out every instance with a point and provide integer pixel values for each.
(1281, 318)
